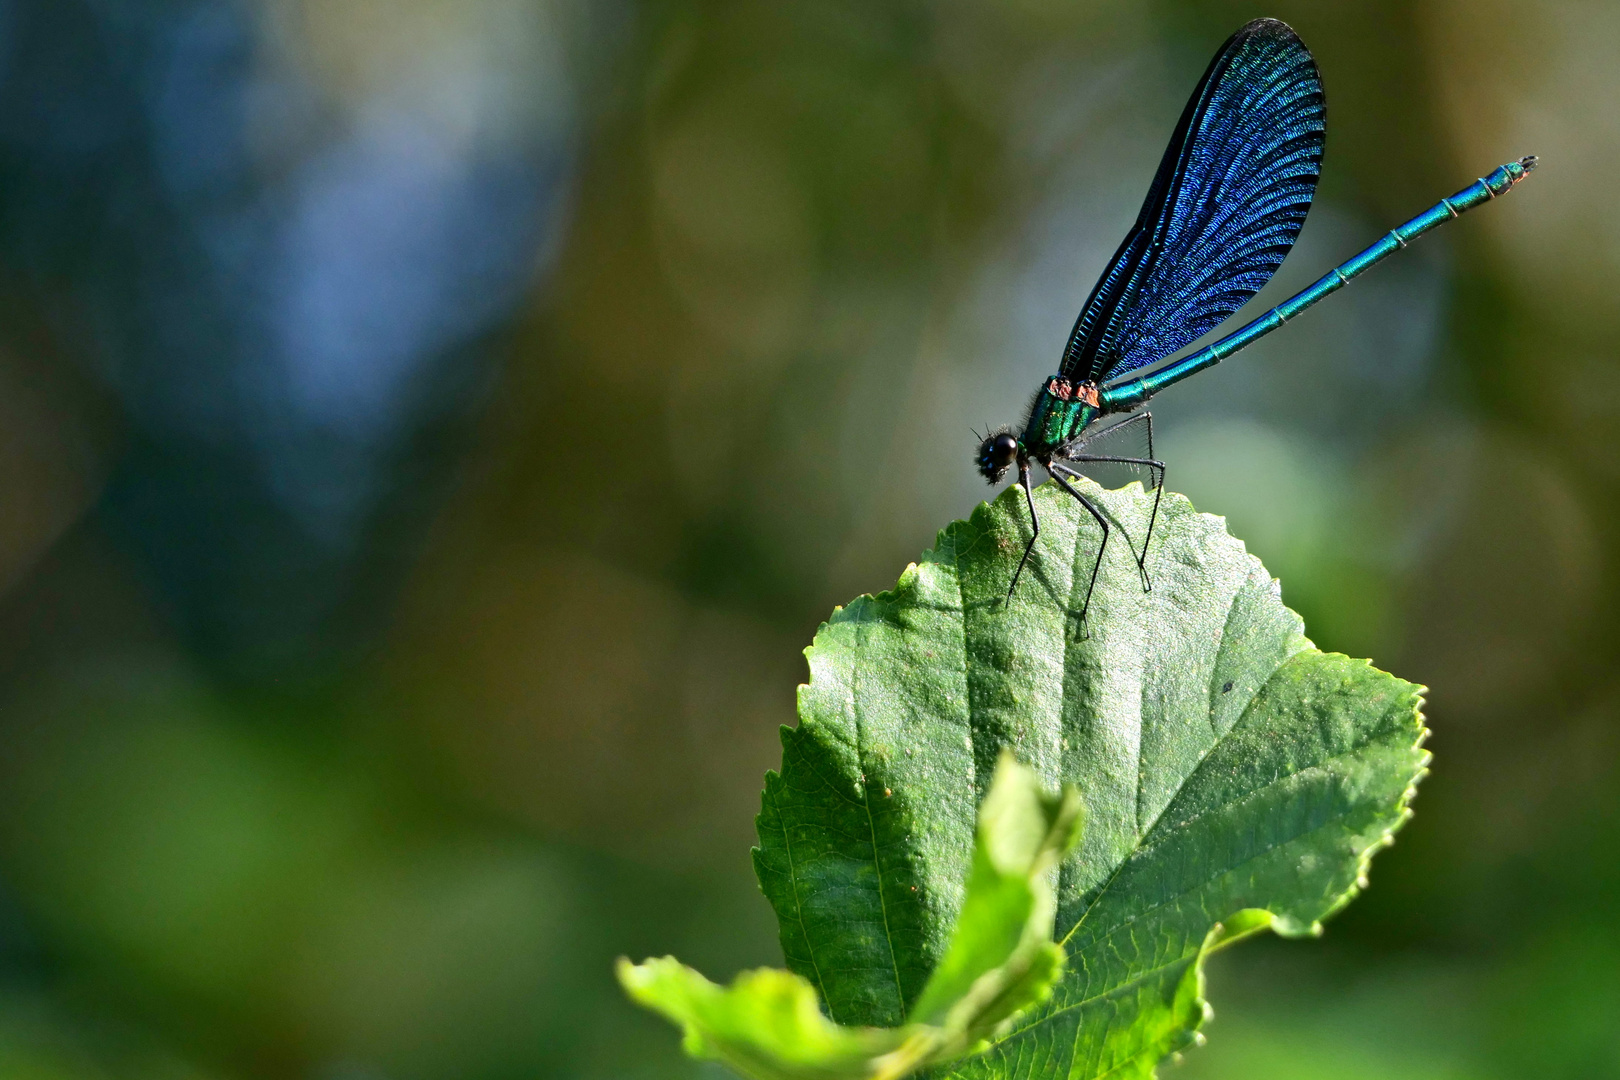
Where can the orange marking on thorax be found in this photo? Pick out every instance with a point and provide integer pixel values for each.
(1065, 390)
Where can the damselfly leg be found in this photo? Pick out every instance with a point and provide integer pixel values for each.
(1073, 453)
(1153, 516)
(1058, 472)
(1034, 530)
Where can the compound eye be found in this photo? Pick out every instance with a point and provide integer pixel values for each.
(1003, 449)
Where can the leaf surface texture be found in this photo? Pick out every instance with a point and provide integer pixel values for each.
(1234, 777)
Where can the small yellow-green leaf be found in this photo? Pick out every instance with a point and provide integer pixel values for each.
(766, 1024)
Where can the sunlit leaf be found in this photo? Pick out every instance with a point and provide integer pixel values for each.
(1235, 777)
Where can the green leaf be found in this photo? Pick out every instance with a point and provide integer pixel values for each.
(1235, 777)
(1001, 960)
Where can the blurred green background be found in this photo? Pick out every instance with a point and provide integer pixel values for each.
(430, 430)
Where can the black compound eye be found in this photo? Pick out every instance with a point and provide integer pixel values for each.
(1003, 448)
(996, 455)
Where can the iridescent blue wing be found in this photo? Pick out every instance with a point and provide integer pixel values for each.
(1227, 202)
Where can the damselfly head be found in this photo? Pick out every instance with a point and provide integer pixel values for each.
(996, 455)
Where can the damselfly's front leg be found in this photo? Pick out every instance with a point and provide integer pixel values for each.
(1034, 523)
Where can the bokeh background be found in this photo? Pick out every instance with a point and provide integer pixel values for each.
(431, 429)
